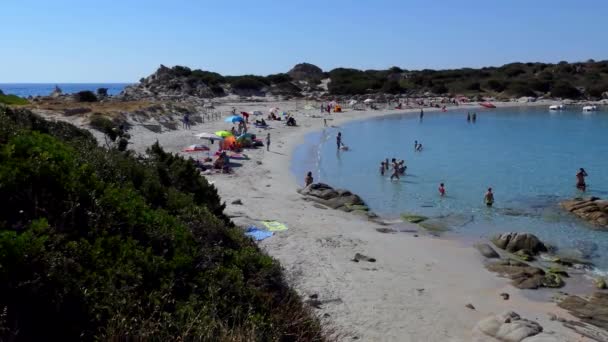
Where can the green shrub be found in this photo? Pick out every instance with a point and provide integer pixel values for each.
(99, 244)
(565, 90)
(12, 100)
(248, 83)
(496, 85)
(519, 89)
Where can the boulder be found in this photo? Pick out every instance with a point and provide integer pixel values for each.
(524, 276)
(486, 250)
(513, 242)
(591, 209)
(335, 198)
(506, 327)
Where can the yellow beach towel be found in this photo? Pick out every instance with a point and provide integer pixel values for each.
(274, 226)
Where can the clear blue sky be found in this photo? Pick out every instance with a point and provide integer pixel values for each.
(122, 41)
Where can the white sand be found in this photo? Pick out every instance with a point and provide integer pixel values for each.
(419, 286)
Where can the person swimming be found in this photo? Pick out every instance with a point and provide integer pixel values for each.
(441, 190)
(419, 148)
(580, 179)
(489, 197)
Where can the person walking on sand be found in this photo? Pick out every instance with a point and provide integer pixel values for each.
(441, 190)
(489, 197)
(339, 140)
(308, 179)
(268, 142)
(580, 179)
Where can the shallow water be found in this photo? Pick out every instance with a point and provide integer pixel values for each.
(528, 156)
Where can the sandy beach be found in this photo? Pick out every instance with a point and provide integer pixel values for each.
(419, 286)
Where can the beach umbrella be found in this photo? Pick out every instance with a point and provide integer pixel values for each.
(223, 134)
(233, 119)
(208, 136)
(368, 101)
(196, 148)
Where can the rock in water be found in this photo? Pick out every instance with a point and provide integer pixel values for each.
(507, 327)
(513, 242)
(486, 250)
(590, 209)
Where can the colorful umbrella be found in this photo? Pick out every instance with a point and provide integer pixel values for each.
(223, 134)
(196, 148)
(233, 119)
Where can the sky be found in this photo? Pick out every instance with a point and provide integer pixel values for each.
(58, 41)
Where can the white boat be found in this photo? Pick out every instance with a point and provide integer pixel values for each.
(556, 107)
(589, 108)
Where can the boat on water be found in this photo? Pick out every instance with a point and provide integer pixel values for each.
(557, 107)
(589, 108)
(487, 105)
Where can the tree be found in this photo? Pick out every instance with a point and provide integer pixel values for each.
(565, 90)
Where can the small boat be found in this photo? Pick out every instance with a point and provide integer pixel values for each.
(589, 108)
(487, 105)
(556, 107)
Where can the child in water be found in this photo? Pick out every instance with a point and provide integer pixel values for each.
(441, 190)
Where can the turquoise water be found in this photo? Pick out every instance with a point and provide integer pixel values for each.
(44, 89)
(528, 156)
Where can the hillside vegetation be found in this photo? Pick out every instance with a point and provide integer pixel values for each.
(563, 80)
(101, 244)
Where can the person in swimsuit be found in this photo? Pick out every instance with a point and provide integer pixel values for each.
(489, 197)
(441, 190)
(308, 179)
(339, 140)
(474, 117)
(580, 179)
(419, 148)
(415, 145)
(468, 117)
(386, 164)
(382, 168)
(421, 113)
(395, 173)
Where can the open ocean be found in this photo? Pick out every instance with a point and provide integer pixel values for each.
(43, 89)
(529, 156)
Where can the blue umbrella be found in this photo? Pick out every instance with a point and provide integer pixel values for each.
(234, 118)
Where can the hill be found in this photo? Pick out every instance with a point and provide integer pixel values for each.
(99, 244)
(581, 80)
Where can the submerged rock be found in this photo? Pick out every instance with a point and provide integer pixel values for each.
(513, 242)
(591, 209)
(413, 218)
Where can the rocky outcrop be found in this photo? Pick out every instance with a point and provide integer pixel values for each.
(334, 198)
(506, 327)
(305, 72)
(168, 82)
(592, 209)
(593, 311)
(515, 242)
(525, 276)
(487, 251)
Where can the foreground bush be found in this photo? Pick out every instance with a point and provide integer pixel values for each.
(100, 244)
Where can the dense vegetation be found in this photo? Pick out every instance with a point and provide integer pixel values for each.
(101, 244)
(566, 80)
(563, 80)
(12, 100)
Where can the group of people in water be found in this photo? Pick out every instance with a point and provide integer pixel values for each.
(398, 167)
(471, 117)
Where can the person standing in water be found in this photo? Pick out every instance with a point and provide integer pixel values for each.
(474, 117)
(441, 190)
(468, 117)
(580, 179)
(382, 168)
(395, 173)
(386, 164)
(308, 179)
(268, 142)
(489, 197)
(421, 113)
(339, 140)
(415, 145)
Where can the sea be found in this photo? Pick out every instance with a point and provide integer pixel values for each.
(44, 89)
(529, 156)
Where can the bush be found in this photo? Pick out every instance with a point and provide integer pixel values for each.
(496, 85)
(597, 90)
(101, 245)
(85, 96)
(392, 87)
(439, 89)
(12, 100)
(519, 89)
(278, 78)
(565, 90)
(248, 83)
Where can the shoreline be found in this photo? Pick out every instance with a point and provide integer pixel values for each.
(417, 289)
